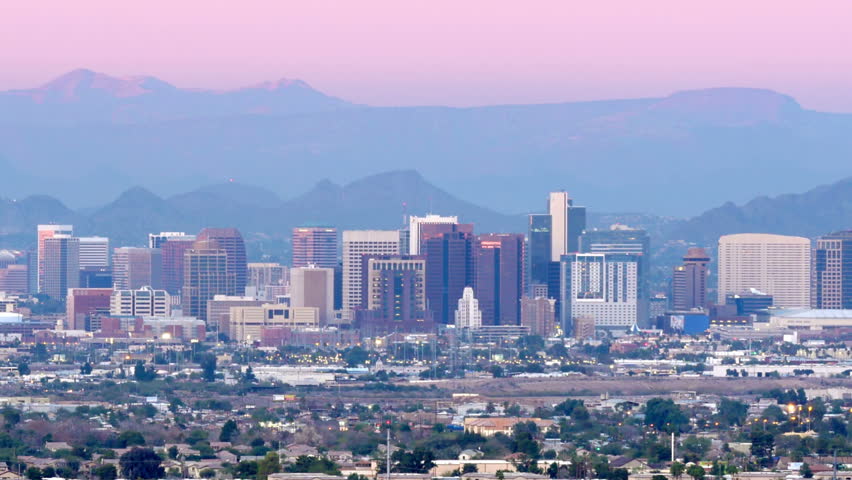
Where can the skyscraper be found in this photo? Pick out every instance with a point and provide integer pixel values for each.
(172, 251)
(394, 294)
(313, 287)
(449, 269)
(604, 286)
(230, 240)
(205, 275)
(315, 246)
(60, 262)
(622, 239)
(557, 207)
(538, 259)
(774, 264)
(45, 232)
(94, 252)
(415, 240)
(689, 281)
(356, 245)
(539, 315)
(468, 315)
(136, 267)
(499, 277)
(832, 271)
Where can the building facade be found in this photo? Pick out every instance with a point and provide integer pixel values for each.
(356, 245)
(539, 314)
(313, 287)
(415, 239)
(604, 286)
(394, 294)
(468, 316)
(82, 303)
(144, 302)
(60, 265)
(94, 252)
(449, 269)
(774, 264)
(832, 272)
(689, 281)
(231, 241)
(499, 277)
(45, 232)
(315, 246)
(137, 267)
(205, 276)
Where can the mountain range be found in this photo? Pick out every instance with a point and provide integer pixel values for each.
(380, 202)
(87, 137)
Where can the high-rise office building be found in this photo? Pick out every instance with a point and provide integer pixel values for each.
(137, 267)
(261, 275)
(205, 276)
(604, 286)
(94, 252)
(172, 251)
(356, 245)
(315, 246)
(557, 208)
(415, 237)
(60, 264)
(499, 277)
(539, 314)
(774, 264)
(230, 240)
(832, 272)
(14, 272)
(689, 281)
(144, 302)
(394, 294)
(96, 277)
(82, 303)
(621, 239)
(576, 226)
(468, 314)
(45, 232)
(313, 287)
(449, 269)
(538, 257)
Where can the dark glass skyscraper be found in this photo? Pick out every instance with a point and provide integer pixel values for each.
(449, 268)
(205, 275)
(499, 277)
(689, 281)
(832, 271)
(538, 258)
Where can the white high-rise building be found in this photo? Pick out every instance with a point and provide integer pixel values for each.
(356, 244)
(414, 229)
(138, 303)
(558, 204)
(94, 252)
(778, 265)
(603, 286)
(468, 314)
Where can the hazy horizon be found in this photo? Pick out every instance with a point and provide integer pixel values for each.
(384, 53)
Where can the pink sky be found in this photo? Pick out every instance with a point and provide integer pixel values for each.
(460, 52)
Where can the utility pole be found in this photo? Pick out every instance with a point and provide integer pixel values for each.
(388, 453)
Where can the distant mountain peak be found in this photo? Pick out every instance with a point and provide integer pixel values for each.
(81, 82)
(731, 104)
(279, 85)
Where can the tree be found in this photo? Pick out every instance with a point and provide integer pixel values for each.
(142, 373)
(677, 470)
(310, 464)
(173, 452)
(696, 446)
(105, 472)
(696, 471)
(208, 367)
(33, 473)
(805, 471)
(664, 416)
(269, 464)
(732, 412)
(355, 356)
(659, 477)
(129, 438)
(86, 369)
(469, 468)
(23, 368)
(141, 463)
(248, 376)
(762, 444)
(229, 430)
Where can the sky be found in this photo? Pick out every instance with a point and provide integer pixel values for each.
(459, 53)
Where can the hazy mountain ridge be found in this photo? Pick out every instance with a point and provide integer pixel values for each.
(677, 155)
